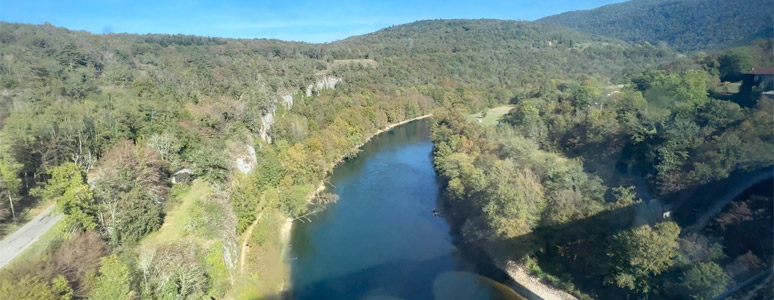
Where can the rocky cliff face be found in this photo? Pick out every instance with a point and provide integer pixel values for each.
(267, 120)
(287, 100)
(245, 162)
(326, 82)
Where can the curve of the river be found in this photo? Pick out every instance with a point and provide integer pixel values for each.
(381, 240)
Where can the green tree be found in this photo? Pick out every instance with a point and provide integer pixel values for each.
(113, 281)
(61, 287)
(208, 162)
(514, 200)
(585, 94)
(702, 281)
(28, 287)
(72, 195)
(10, 183)
(734, 63)
(642, 253)
(624, 197)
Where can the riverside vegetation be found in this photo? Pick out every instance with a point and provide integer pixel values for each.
(569, 182)
(98, 123)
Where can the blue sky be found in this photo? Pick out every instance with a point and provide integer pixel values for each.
(310, 21)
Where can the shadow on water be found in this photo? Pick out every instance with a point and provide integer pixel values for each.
(410, 279)
(442, 275)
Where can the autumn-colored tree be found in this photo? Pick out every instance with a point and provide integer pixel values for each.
(33, 287)
(76, 258)
(130, 191)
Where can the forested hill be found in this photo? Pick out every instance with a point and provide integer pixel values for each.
(493, 48)
(462, 35)
(686, 25)
(579, 184)
(496, 55)
(128, 111)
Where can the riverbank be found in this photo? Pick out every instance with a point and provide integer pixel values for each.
(531, 287)
(518, 277)
(321, 186)
(510, 273)
(368, 139)
(287, 227)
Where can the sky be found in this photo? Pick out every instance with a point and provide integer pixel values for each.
(306, 20)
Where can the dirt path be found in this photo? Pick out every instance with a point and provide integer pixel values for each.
(17, 242)
(243, 249)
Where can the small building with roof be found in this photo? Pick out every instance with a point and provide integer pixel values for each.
(762, 74)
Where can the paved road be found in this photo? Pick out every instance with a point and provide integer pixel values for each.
(22, 238)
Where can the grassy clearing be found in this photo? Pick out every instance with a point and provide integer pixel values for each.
(189, 220)
(363, 61)
(731, 88)
(492, 116)
(264, 271)
(178, 215)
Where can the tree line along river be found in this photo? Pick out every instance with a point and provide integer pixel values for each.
(382, 239)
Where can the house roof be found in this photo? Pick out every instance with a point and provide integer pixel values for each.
(762, 71)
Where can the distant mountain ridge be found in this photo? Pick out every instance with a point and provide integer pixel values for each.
(497, 51)
(686, 25)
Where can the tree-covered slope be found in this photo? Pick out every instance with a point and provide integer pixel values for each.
(686, 25)
(98, 123)
(496, 50)
(574, 182)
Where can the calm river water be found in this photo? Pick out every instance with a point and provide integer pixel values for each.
(381, 240)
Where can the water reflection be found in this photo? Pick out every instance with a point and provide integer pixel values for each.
(465, 285)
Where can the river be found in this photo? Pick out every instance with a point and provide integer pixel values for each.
(381, 240)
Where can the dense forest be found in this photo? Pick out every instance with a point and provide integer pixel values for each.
(575, 182)
(685, 25)
(108, 127)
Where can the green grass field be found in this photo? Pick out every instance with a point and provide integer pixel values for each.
(493, 115)
(178, 217)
